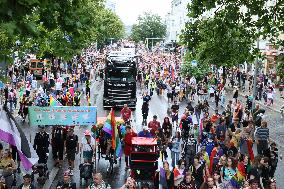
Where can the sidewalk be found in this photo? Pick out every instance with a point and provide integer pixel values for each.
(277, 104)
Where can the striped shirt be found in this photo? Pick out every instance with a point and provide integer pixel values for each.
(262, 133)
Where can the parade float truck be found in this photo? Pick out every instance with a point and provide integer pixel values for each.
(120, 79)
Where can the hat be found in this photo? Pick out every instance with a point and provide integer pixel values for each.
(87, 133)
(68, 173)
(145, 128)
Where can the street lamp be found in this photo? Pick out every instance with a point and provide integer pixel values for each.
(256, 64)
(152, 39)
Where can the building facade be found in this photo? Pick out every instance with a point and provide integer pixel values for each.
(176, 19)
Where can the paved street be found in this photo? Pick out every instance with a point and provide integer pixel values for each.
(158, 106)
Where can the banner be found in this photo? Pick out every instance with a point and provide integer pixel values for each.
(62, 115)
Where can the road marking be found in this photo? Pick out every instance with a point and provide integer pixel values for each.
(51, 178)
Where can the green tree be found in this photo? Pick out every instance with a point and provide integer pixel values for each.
(280, 66)
(148, 26)
(188, 70)
(211, 42)
(227, 37)
(56, 28)
(109, 26)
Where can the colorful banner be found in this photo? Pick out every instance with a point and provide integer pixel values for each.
(62, 115)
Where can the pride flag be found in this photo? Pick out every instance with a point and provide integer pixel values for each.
(111, 128)
(107, 125)
(114, 132)
(241, 173)
(235, 182)
(53, 101)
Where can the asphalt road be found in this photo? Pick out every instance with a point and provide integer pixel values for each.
(158, 106)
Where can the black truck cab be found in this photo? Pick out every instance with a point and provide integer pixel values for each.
(120, 81)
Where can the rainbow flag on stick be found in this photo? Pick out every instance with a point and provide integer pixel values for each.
(53, 101)
(110, 127)
(107, 125)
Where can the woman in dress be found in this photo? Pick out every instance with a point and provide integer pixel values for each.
(228, 172)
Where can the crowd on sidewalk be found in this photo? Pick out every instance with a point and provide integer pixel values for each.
(65, 84)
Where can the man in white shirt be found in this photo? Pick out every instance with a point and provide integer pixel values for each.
(58, 87)
(87, 147)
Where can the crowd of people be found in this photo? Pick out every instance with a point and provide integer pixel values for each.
(208, 149)
(199, 148)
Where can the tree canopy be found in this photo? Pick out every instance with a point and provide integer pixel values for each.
(148, 26)
(280, 66)
(57, 28)
(223, 33)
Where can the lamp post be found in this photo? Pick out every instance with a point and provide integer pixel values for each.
(256, 65)
(152, 39)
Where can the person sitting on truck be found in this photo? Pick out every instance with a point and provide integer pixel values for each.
(144, 133)
(125, 113)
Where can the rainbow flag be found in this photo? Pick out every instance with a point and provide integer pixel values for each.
(114, 132)
(53, 101)
(111, 128)
(118, 150)
(235, 182)
(107, 125)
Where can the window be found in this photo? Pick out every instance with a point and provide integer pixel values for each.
(40, 65)
(119, 74)
(33, 65)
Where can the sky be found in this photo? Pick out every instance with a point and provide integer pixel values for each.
(129, 10)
